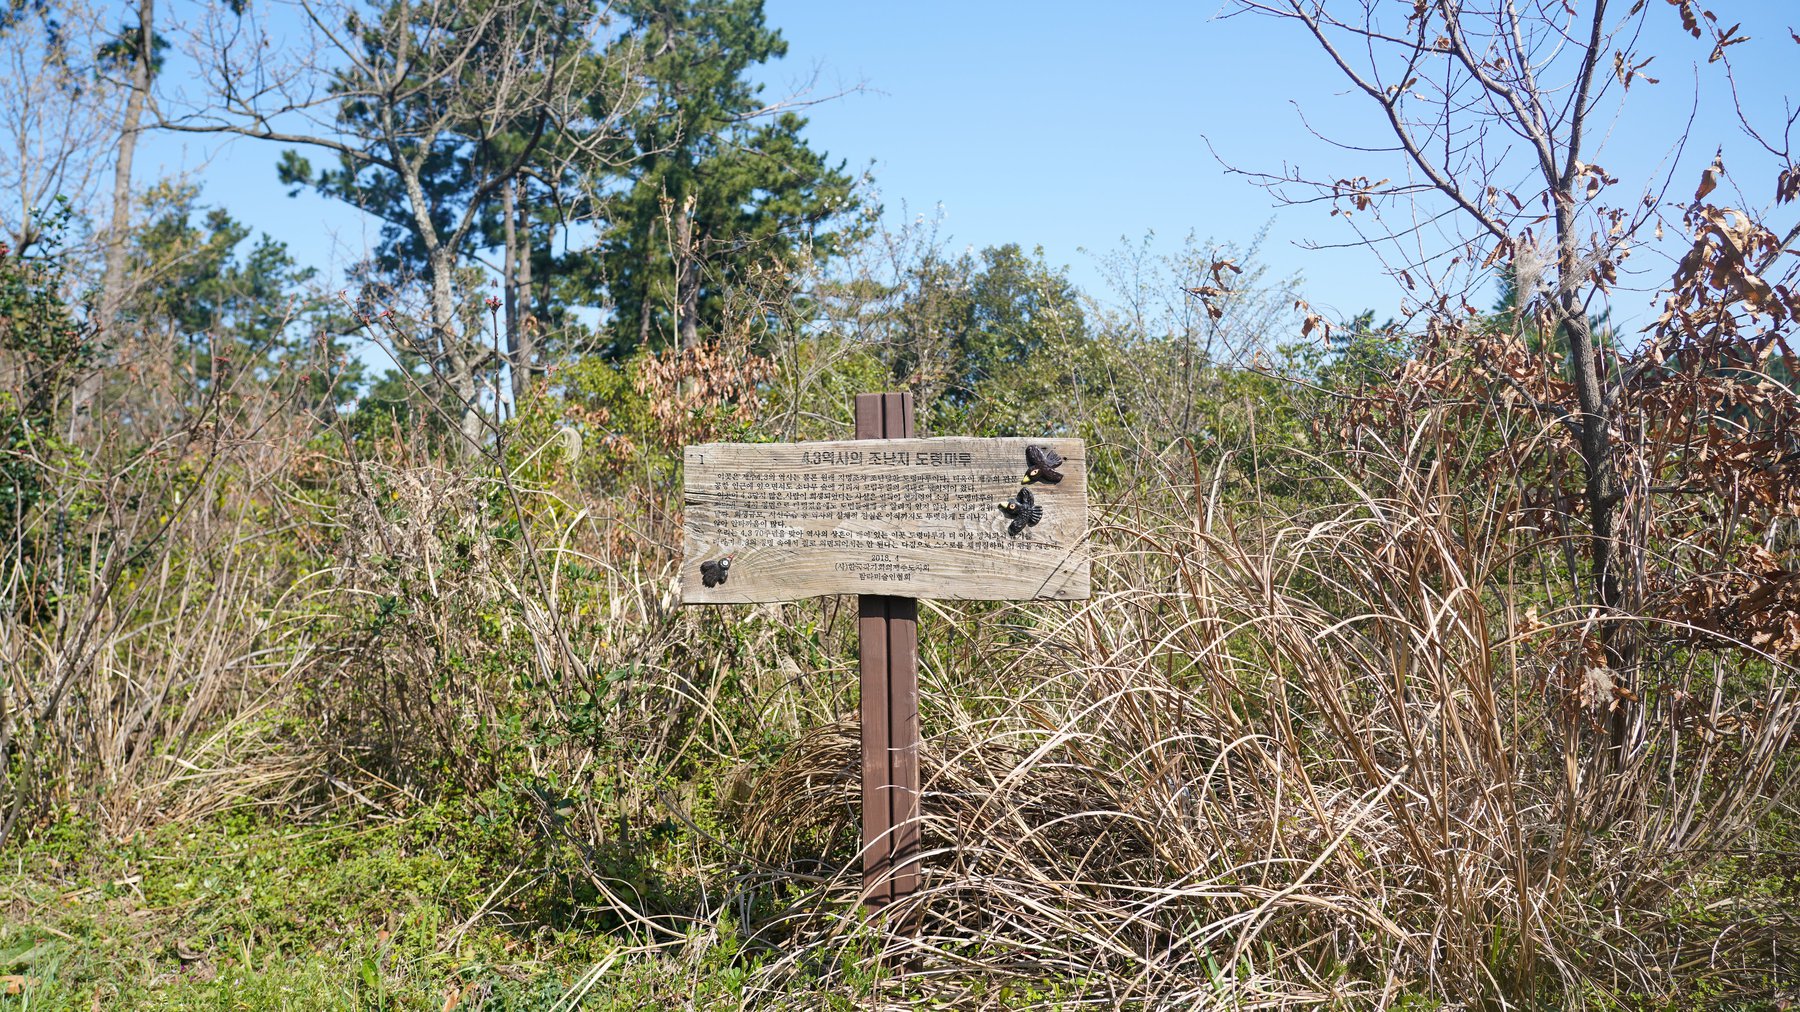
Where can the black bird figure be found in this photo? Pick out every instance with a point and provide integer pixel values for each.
(1024, 510)
(714, 573)
(1041, 464)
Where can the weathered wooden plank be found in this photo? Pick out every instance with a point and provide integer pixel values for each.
(914, 517)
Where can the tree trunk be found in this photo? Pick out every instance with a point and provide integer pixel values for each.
(113, 280)
(453, 362)
(687, 279)
(521, 333)
(536, 311)
(509, 285)
(451, 366)
(1602, 490)
(644, 318)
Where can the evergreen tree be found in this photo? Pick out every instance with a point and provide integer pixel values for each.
(439, 111)
(1018, 306)
(720, 181)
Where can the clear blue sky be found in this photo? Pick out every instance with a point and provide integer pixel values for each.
(1072, 126)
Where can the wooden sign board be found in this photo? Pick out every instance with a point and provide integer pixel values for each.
(920, 518)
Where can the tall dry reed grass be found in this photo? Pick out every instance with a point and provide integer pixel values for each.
(1316, 757)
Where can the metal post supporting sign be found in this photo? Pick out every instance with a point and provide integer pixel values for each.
(887, 629)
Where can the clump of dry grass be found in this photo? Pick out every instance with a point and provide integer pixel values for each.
(149, 634)
(1310, 759)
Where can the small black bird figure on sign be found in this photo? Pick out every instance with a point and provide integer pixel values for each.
(714, 573)
(1041, 464)
(1024, 510)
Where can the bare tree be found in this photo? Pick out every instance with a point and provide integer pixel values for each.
(56, 119)
(1492, 109)
(432, 112)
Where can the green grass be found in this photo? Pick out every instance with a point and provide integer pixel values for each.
(248, 914)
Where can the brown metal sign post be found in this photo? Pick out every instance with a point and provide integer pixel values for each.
(949, 518)
(887, 630)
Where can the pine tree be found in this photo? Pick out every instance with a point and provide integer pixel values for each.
(721, 181)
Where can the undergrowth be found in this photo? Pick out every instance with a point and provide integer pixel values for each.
(299, 717)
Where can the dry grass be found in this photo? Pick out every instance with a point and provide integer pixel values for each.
(1307, 761)
(148, 642)
(1289, 756)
